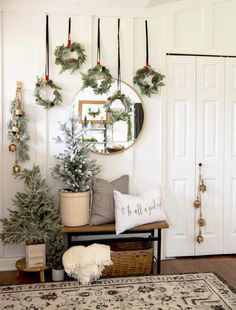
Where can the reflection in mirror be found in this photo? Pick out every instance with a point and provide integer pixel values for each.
(113, 127)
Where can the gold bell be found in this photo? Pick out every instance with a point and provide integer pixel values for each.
(15, 129)
(12, 147)
(19, 112)
(16, 168)
(200, 238)
(197, 203)
(201, 222)
(202, 187)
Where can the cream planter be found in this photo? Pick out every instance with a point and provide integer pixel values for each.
(35, 255)
(57, 275)
(74, 208)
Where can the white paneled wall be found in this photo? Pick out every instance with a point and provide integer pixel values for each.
(189, 26)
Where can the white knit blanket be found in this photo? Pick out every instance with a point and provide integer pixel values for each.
(86, 263)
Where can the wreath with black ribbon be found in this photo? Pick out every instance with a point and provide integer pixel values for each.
(148, 80)
(44, 83)
(98, 77)
(148, 87)
(116, 115)
(63, 53)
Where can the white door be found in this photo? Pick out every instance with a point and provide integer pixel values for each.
(230, 158)
(181, 80)
(195, 134)
(210, 150)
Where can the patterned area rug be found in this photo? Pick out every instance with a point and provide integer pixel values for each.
(187, 291)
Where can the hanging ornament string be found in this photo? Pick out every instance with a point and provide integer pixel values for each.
(198, 204)
(64, 57)
(98, 73)
(69, 36)
(147, 51)
(148, 80)
(47, 52)
(98, 44)
(46, 82)
(118, 45)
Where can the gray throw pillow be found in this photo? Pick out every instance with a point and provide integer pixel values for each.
(103, 204)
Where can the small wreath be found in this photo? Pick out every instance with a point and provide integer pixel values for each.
(98, 72)
(42, 84)
(147, 88)
(63, 52)
(94, 113)
(124, 115)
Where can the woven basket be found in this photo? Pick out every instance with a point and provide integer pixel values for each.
(130, 258)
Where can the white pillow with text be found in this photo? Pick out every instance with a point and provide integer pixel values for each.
(132, 211)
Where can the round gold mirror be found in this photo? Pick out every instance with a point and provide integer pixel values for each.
(114, 127)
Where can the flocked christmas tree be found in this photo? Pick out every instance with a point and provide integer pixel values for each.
(74, 168)
(35, 218)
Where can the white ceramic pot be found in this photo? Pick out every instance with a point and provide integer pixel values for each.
(57, 275)
(74, 208)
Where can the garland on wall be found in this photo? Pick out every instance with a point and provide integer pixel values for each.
(17, 130)
(45, 85)
(116, 115)
(148, 80)
(198, 204)
(98, 72)
(64, 57)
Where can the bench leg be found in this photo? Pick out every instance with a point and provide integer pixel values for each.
(159, 252)
(42, 277)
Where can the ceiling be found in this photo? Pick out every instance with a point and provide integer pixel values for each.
(139, 4)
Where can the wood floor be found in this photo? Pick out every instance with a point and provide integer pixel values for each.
(224, 266)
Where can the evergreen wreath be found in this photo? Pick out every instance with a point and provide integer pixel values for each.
(94, 113)
(41, 84)
(141, 79)
(123, 115)
(66, 62)
(98, 72)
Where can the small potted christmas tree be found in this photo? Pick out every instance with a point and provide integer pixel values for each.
(55, 251)
(75, 169)
(35, 219)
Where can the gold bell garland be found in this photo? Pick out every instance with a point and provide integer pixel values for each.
(63, 54)
(198, 205)
(17, 129)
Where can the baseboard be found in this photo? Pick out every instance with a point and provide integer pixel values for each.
(8, 263)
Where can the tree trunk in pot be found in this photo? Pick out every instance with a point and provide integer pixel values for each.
(74, 208)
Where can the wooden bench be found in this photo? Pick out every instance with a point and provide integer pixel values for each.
(109, 229)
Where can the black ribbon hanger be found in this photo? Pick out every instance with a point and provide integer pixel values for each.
(98, 43)
(47, 51)
(69, 34)
(147, 51)
(119, 71)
